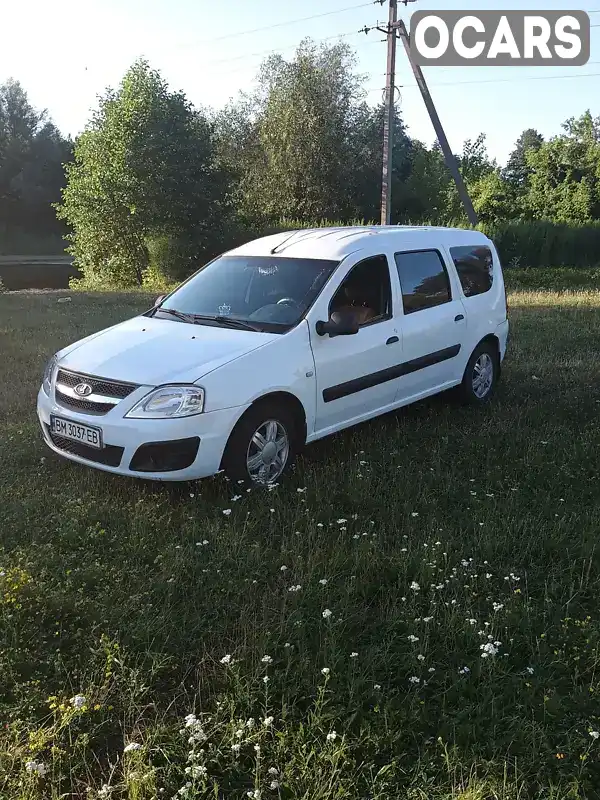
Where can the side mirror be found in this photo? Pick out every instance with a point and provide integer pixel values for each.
(342, 325)
(159, 300)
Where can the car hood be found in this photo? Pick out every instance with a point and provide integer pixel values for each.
(151, 351)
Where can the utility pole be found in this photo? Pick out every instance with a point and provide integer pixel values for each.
(439, 130)
(388, 122)
(388, 128)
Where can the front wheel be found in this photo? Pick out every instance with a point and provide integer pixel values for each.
(262, 447)
(481, 375)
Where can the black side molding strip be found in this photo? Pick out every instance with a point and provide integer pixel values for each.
(389, 374)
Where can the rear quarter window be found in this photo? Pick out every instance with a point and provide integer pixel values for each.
(475, 267)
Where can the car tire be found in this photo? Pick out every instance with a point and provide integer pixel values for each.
(263, 445)
(481, 375)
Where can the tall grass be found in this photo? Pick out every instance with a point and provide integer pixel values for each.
(413, 614)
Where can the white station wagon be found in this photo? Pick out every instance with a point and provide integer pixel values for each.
(277, 343)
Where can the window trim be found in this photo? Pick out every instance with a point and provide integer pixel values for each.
(381, 317)
(493, 275)
(446, 273)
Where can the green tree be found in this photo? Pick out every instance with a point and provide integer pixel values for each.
(291, 144)
(565, 179)
(143, 182)
(494, 199)
(518, 170)
(32, 152)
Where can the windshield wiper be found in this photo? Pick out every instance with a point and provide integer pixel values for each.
(228, 322)
(179, 314)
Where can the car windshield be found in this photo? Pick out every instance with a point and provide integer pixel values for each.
(269, 293)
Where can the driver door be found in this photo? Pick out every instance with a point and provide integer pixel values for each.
(355, 373)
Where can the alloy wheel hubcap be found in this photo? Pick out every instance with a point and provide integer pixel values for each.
(483, 375)
(268, 452)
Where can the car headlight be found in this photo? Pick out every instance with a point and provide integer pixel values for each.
(48, 373)
(168, 402)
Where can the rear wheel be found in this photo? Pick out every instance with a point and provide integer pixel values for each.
(481, 375)
(263, 445)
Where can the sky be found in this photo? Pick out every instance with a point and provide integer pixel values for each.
(66, 52)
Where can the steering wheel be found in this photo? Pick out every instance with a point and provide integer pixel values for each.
(288, 301)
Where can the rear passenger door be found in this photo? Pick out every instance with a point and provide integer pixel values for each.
(433, 324)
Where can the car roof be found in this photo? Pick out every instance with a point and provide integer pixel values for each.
(336, 243)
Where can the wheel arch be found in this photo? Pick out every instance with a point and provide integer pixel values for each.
(291, 402)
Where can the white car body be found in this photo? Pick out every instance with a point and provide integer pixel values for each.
(332, 382)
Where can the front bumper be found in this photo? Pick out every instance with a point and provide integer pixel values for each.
(123, 438)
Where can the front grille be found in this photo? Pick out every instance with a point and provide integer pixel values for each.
(110, 455)
(99, 385)
(82, 405)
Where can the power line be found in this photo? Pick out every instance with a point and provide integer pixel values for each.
(277, 49)
(501, 80)
(282, 24)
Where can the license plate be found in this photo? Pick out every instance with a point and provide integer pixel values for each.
(85, 434)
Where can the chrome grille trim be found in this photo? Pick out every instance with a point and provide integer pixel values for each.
(103, 386)
(90, 398)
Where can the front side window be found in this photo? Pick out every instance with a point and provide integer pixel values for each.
(475, 267)
(423, 279)
(268, 293)
(365, 293)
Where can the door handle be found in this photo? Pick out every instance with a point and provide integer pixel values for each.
(392, 340)
(459, 317)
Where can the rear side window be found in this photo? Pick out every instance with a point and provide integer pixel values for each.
(423, 279)
(475, 267)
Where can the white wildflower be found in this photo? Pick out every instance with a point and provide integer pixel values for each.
(236, 748)
(427, 619)
(464, 671)
(78, 701)
(227, 511)
(415, 587)
(594, 734)
(414, 679)
(421, 657)
(196, 771)
(530, 670)
(489, 649)
(274, 785)
(36, 767)
(472, 621)
(267, 660)
(266, 679)
(412, 638)
(331, 737)
(272, 771)
(377, 686)
(353, 655)
(323, 581)
(282, 568)
(342, 521)
(257, 748)
(106, 790)
(327, 613)
(227, 660)
(250, 723)
(236, 497)
(295, 588)
(267, 722)
(131, 747)
(497, 606)
(325, 671)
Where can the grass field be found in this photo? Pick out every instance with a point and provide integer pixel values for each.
(415, 614)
